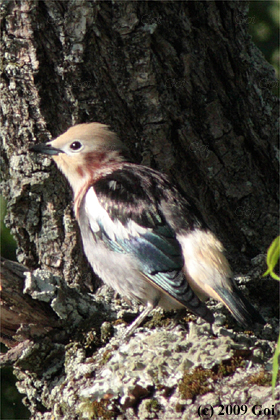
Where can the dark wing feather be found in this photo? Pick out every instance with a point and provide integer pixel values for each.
(133, 193)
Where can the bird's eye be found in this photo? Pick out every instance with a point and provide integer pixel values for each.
(76, 145)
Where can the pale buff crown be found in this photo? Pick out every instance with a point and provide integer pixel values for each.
(100, 148)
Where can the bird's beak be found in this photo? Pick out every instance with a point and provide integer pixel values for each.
(45, 148)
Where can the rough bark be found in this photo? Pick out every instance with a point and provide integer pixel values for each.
(36, 305)
(19, 310)
(187, 91)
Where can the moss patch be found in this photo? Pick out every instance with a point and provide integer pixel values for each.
(195, 383)
(201, 380)
(96, 410)
(152, 405)
(262, 378)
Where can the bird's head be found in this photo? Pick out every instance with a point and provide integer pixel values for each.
(83, 152)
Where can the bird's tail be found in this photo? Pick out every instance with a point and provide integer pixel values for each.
(239, 306)
(195, 305)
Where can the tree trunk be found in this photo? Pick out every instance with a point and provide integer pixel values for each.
(187, 91)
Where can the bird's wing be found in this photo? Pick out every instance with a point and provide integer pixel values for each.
(124, 212)
(209, 273)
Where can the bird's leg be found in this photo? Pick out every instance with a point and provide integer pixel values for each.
(130, 330)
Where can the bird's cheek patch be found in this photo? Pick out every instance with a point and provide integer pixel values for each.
(80, 171)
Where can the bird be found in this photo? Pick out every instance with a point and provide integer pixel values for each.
(141, 236)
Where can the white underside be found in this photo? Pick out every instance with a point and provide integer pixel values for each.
(117, 270)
